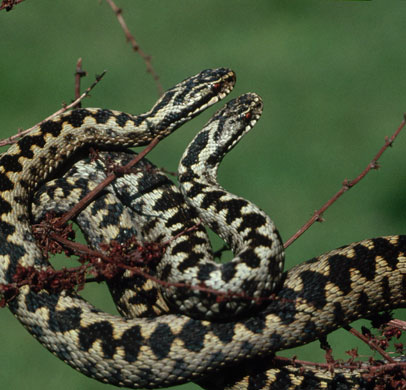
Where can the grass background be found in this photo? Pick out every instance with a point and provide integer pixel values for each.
(332, 77)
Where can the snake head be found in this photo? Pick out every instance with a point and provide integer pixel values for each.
(229, 124)
(223, 131)
(190, 97)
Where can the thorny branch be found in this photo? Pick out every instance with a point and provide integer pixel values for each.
(13, 139)
(135, 46)
(347, 185)
(371, 342)
(79, 73)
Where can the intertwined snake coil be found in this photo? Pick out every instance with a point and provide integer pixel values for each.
(172, 349)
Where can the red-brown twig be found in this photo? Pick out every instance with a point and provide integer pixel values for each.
(347, 184)
(14, 138)
(79, 73)
(135, 46)
(370, 343)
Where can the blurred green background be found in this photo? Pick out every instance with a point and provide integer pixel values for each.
(332, 77)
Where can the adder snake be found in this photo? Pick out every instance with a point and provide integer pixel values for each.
(150, 352)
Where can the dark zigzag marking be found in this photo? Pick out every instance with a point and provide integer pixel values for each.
(211, 197)
(102, 116)
(168, 201)
(192, 259)
(166, 271)
(10, 164)
(123, 118)
(5, 208)
(341, 266)
(390, 252)
(218, 156)
(314, 288)
(52, 127)
(131, 340)
(193, 334)
(228, 271)
(250, 258)
(77, 117)
(161, 341)
(224, 335)
(101, 330)
(204, 270)
(256, 324)
(193, 151)
(64, 320)
(144, 297)
(28, 141)
(250, 220)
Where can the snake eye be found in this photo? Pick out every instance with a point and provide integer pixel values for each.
(248, 116)
(216, 86)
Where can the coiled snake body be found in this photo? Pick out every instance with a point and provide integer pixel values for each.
(164, 217)
(151, 352)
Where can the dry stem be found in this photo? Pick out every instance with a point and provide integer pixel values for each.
(370, 343)
(79, 73)
(135, 46)
(13, 139)
(347, 184)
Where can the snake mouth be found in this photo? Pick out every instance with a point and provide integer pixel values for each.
(228, 82)
(220, 88)
(225, 85)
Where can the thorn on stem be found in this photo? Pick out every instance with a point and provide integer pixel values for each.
(388, 141)
(346, 185)
(318, 217)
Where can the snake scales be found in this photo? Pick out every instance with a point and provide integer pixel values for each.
(170, 349)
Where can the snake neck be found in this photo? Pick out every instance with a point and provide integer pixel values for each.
(249, 232)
